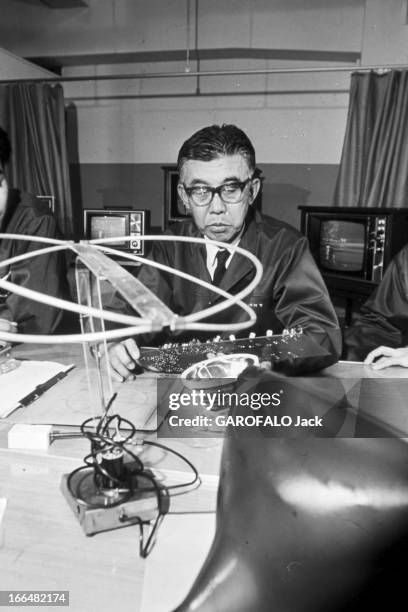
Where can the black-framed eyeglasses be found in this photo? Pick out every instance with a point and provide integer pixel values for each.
(230, 193)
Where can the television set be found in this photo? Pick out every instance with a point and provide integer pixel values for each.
(112, 223)
(353, 246)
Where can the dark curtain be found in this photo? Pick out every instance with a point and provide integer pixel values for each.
(36, 125)
(374, 162)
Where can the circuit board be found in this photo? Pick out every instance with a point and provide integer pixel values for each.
(174, 358)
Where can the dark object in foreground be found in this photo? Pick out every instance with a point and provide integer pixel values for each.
(307, 524)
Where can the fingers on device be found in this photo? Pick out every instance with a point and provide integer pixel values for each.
(7, 363)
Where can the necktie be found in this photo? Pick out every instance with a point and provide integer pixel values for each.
(221, 257)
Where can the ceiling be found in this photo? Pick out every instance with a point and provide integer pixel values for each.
(84, 46)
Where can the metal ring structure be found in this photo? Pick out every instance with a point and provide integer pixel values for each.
(134, 325)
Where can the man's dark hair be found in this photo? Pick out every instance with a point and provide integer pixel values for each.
(216, 141)
(5, 147)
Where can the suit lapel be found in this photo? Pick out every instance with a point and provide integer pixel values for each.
(203, 272)
(240, 266)
(196, 263)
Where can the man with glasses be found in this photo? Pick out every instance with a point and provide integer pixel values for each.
(218, 184)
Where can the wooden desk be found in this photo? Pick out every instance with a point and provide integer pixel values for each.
(43, 546)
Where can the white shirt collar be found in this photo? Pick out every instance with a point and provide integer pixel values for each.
(212, 251)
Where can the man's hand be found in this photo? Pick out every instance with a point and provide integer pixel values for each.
(123, 358)
(8, 326)
(384, 357)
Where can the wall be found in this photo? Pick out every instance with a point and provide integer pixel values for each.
(123, 131)
(145, 25)
(286, 186)
(289, 129)
(128, 129)
(385, 35)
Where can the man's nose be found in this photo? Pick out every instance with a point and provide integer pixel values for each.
(217, 205)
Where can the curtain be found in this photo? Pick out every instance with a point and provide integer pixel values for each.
(36, 125)
(374, 162)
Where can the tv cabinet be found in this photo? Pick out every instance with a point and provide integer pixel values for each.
(353, 292)
(384, 231)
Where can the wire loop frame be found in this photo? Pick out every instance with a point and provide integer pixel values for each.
(134, 325)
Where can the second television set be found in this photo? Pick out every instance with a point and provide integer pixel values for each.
(354, 242)
(112, 223)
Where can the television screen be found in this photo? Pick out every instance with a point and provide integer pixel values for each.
(341, 245)
(108, 226)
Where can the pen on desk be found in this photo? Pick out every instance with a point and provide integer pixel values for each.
(42, 388)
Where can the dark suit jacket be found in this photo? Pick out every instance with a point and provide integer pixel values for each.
(291, 293)
(46, 273)
(384, 316)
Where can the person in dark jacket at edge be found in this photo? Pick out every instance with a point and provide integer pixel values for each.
(218, 184)
(380, 334)
(21, 213)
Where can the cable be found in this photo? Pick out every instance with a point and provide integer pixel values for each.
(110, 445)
(180, 456)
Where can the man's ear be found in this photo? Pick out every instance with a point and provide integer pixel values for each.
(183, 196)
(254, 190)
